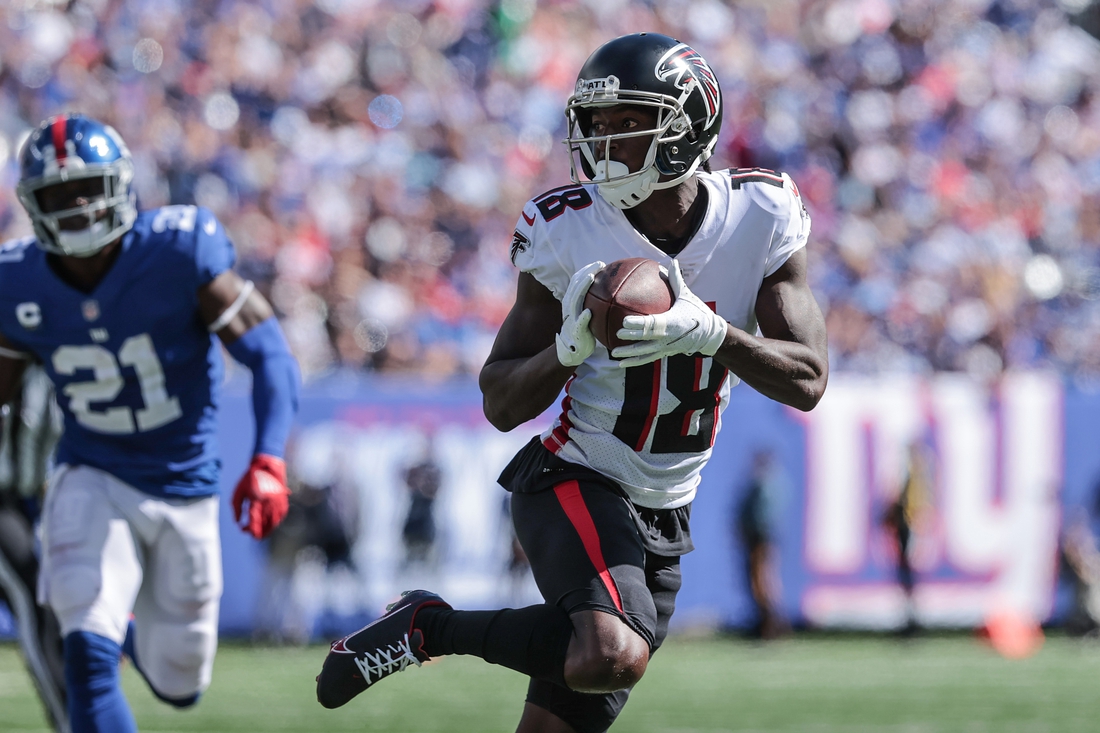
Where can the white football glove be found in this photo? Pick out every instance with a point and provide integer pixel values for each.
(575, 342)
(688, 327)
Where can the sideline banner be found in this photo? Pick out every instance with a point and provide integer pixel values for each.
(405, 477)
(984, 531)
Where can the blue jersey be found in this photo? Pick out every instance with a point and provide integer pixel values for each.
(135, 369)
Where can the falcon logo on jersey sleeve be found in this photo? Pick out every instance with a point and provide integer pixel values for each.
(684, 66)
(520, 243)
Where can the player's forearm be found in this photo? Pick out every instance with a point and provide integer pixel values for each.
(517, 390)
(785, 371)
(275, 381)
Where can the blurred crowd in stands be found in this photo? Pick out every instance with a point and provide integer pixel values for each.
(370, 157)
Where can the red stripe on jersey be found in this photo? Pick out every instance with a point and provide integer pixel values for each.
(685, 429)
(557, 439)
(654, 401)
(717, 404)
(57, 131)
(566, 406)
(560, 436)
(757, 174)
(569, 495)
(713, 305)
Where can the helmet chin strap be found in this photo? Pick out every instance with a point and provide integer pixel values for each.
(121, 213)
(627, 193)
(85, 242)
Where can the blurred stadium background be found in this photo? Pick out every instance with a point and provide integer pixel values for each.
(370, 157)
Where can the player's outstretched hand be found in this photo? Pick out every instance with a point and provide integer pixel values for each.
(575, 342)
(262, 494)
(688, 327)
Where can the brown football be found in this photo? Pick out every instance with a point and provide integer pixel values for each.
(634, 286)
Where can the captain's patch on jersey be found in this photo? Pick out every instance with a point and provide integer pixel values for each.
(29, 315)
(520, 243)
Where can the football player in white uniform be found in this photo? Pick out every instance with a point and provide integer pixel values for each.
(601, 500)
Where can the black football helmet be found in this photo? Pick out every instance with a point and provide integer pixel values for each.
(650, 70)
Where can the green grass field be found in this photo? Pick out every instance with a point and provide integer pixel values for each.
(815, 684)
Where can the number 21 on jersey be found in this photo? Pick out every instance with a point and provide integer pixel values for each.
(136, 352)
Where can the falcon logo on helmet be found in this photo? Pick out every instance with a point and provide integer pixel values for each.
(685, 68)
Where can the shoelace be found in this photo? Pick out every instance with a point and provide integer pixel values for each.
(386, 660)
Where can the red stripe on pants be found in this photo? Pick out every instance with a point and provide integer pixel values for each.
(569, 495)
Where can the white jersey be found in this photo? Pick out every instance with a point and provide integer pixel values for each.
(651, 428)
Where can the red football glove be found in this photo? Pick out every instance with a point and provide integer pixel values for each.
(263, 488)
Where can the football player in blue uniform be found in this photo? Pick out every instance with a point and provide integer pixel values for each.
(122, 308)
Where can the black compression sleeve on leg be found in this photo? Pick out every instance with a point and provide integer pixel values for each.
(530, 640)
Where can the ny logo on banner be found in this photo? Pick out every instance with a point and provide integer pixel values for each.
(988, 537)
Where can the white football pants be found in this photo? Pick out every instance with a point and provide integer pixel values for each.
(109, 550)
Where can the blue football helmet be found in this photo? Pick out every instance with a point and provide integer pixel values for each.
(69, 148)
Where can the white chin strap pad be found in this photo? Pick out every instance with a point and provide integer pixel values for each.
(606, 170)
(628, 192)
(87, 241)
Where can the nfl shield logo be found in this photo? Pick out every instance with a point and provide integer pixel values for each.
(90, 308)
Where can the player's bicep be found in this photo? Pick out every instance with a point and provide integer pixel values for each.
(786, 309)
(532, 323)
(230, 306)
(12, 363)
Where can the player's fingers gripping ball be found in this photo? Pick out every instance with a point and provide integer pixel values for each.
(688, 327)
(575, 342)
(262, 495)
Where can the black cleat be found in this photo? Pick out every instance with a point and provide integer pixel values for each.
(377, 650)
